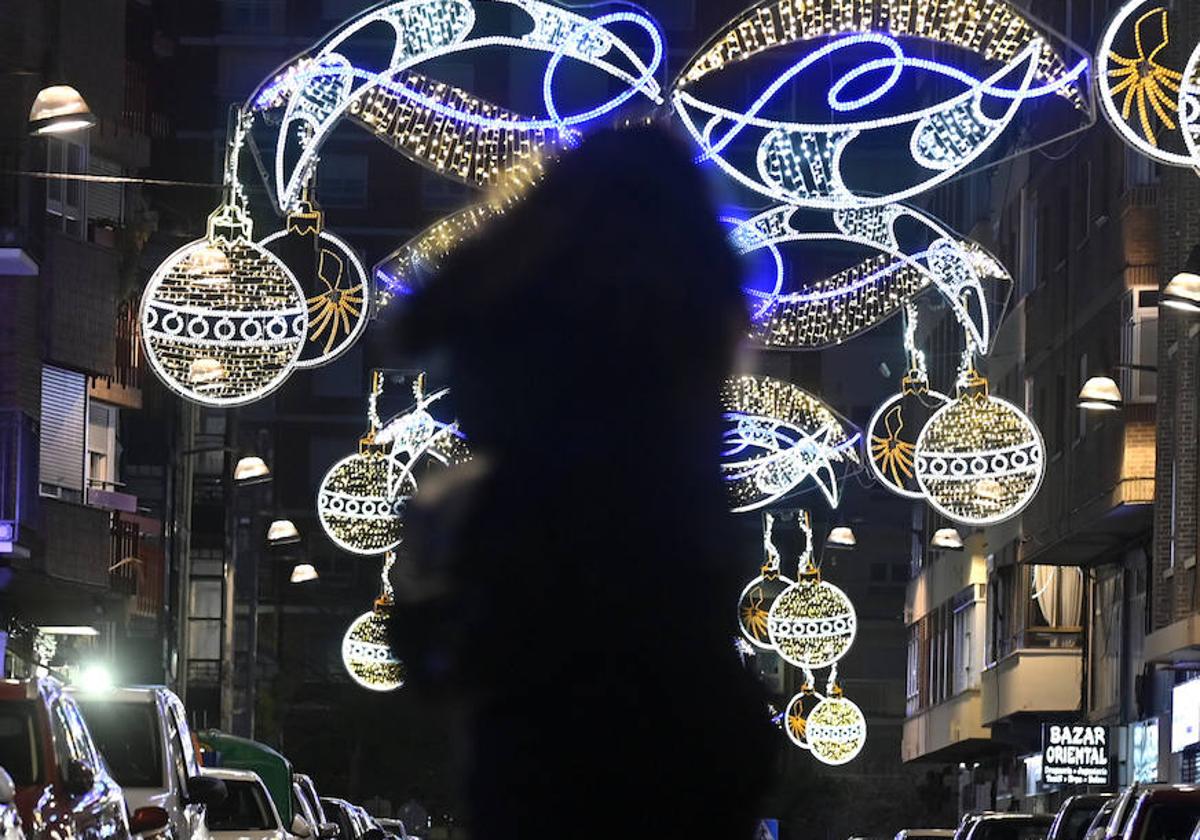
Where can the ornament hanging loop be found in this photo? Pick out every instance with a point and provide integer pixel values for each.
(367, 441)
(231, 221)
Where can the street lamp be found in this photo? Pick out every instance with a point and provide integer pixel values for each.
(947, 539)
(251, 470)
(283, 532)
(304, 572)
(1100, 393)
(841, 537)
(1183, 292)
(59, 109)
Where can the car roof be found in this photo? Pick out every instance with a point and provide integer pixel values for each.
(29, 689)
(123, 694)
(231, 775)
(1010, 816)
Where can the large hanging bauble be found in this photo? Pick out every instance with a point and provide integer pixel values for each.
(754, 606)
(795, 717)
(836, 730)
(359, 504)
(223, 321)
(337, 292)
(368, 655)
(980, 460)
(892, 437)
(812, 623)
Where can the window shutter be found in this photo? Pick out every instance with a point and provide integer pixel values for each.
(105, 201)
(64, 413)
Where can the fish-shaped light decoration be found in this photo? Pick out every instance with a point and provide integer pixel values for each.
(440, 125)
(777, 437)
(908, 252)
(822, 150)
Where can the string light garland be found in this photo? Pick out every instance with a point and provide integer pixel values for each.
(436, 124)
(979, 460)
(777, 437)
(339, 296)
(223, 321)
(1140, 95)
(894, 428)
(755, 602)
(913, 252)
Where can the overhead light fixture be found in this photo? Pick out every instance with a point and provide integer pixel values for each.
(947, 539)
(1100, 393)
(283, 532)
(251, 470)
(59, 109)
(68, 630)
(95, 677)
(303, 573)
(1183, 292)
(842, 537)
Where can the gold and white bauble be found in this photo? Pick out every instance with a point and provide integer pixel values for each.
(367, 652)
(836, 730)
(359, 504)
(754, 605)
(812, 624)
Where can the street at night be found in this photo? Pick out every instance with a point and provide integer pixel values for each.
(518, 419)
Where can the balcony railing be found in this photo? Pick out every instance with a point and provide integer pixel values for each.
(136, 562)
(124, 561)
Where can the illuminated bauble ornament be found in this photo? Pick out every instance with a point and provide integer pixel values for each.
(337, 294)
(359, 504)
(812, 623)
(223, 320)
(893, 433)
(367, 653)
(795, 716)
(980, 459)
(836, 730)
(754, 605)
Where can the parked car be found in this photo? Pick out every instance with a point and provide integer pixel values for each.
(924, 833)
(145, 739)
(1099, 822)
(395, 828)
(342, 813)
(10, 820)
(1006, 827)
(326, 829)
(313, 825)
(1160, 812)
(234, 753)
(62, 787)
(1075, 816)
(247, 813)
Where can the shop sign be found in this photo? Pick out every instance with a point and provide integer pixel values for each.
(1075, 754)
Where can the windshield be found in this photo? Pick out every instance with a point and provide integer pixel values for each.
(1170, 821)
(128, 737)
(1009, 830)
(1076, 822)
(18, 743)
(245, 809)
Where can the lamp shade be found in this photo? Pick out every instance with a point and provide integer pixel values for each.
(283, 532)
(251, 469)
(842, 537)
(59, 109)
(303, 573)
(947, 539)
(1100, 393)
(1183, 293)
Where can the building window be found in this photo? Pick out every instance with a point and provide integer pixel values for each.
(61, 443)
(1139, 345)
(1140, 171)
(342, 180)
(102, 452)
(66, 200)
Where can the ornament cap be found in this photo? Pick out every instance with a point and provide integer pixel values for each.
(836, 692)
(972, 384)
(915, 382)
(228, 224)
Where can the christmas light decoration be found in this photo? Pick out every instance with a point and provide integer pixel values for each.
(836, 730)
(223, 320)
(979, 460)
(436, 124)
(795, 716)
(804, 161)
(367, 654)
(812, 624)
(361, 498)
(777, 437)
(893, 430)
(1139, 94)
(338, 295)
(1189, 128)
(912, 252)
(756, 599)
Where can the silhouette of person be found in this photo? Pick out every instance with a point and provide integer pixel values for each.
(573, 586)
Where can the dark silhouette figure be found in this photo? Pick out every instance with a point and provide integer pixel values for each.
(574, 586)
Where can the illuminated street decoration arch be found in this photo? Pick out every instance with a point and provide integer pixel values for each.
(979, 460)
(755, 603)
(910, 252)
(802, 160)
(361, 499)
(339, 295)
(1138, 93)
(777, 436)
(223, 321)
(438, 125)
(894, 428)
